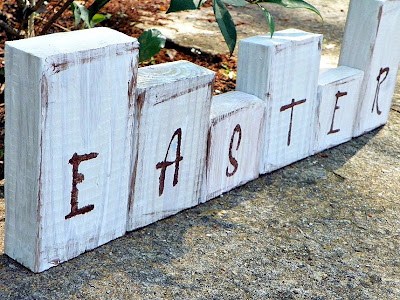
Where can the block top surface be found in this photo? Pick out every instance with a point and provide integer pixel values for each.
(333, 75)
(69, 42)
(231, 102)
(172, 72)
(282, 37)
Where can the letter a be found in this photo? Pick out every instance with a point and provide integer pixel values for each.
(165, 164)
(78, 178)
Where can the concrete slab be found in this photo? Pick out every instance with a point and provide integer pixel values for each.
(327, 227)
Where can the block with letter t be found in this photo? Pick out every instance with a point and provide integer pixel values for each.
(283, 72)
(69, 102)
(173, 107)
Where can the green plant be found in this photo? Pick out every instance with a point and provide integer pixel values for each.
(224, 18)
(89, 20)
(151, 40)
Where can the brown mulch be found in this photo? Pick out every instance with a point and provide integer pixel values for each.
(124, 15)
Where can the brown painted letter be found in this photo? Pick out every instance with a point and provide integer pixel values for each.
(233, 160)
(338, 95)
(165, 164)
(78, 178)
(378, 87)
(291, 106)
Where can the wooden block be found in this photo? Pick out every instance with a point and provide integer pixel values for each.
(338, 92)
(370, 44)
(173, 109)
(235, 141)
(69, 101)
(283, 71)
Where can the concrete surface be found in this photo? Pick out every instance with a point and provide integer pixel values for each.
(327, 227)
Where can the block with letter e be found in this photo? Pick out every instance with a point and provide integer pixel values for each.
(69, 102)
(283, 72)
(173, 107)
(234, 142)
(338, 94)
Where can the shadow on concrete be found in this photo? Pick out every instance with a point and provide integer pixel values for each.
(139, 254)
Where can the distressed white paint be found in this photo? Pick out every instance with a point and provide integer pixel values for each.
(67, 93)
(338, 93)
(278, 70)
(370, 44)
(172, 96)
(235, 139)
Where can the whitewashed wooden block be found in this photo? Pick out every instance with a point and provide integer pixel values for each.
(234, 142)
(69, 101)
(173, 109)
(283, 71)
(338, 93)
(371, 44)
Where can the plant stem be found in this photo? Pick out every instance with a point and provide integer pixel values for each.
(31, 21)
(54, 24)
(54, 17)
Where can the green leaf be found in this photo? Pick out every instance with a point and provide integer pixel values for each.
(97, 18)
(237, 3)
(225, 23)
(96, 6)
(295, 4)
(80, 13)
(180, 5)
(270, 20)
(151, 42)
(76, 12)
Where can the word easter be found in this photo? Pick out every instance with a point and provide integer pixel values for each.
(96, 146)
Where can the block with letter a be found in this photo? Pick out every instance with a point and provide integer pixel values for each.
(283, 72)
(173, 107)
(370, 44)
(69, 101)
(338, 93)
(235, 141)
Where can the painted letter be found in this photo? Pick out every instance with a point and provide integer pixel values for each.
(378, 86)
(78, 178)
(164, 164)
(291, 106)
(232, 160)
(338, 95)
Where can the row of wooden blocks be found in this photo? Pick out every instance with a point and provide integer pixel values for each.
(96, 147)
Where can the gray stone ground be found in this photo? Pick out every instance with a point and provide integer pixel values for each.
(327, 227)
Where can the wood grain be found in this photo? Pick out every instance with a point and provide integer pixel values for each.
(338, 94)
(283, 72)
(235, 141)
(68, 143)
(370, 44)
(173, 108)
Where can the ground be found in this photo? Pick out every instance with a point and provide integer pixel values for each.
(323, 228)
